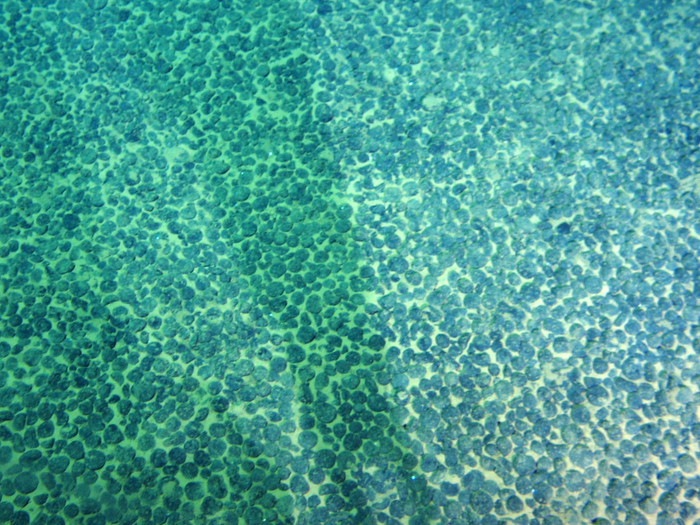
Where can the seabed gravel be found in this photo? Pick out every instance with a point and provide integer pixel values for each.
(349, 262)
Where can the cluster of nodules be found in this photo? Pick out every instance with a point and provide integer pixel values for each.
(216, 321)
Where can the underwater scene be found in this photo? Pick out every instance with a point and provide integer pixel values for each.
(349, 262)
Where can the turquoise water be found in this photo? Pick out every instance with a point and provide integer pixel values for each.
(349, 263)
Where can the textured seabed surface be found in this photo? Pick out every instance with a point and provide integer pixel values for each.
(349, 262)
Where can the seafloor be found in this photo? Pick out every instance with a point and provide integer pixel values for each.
(349, 262)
